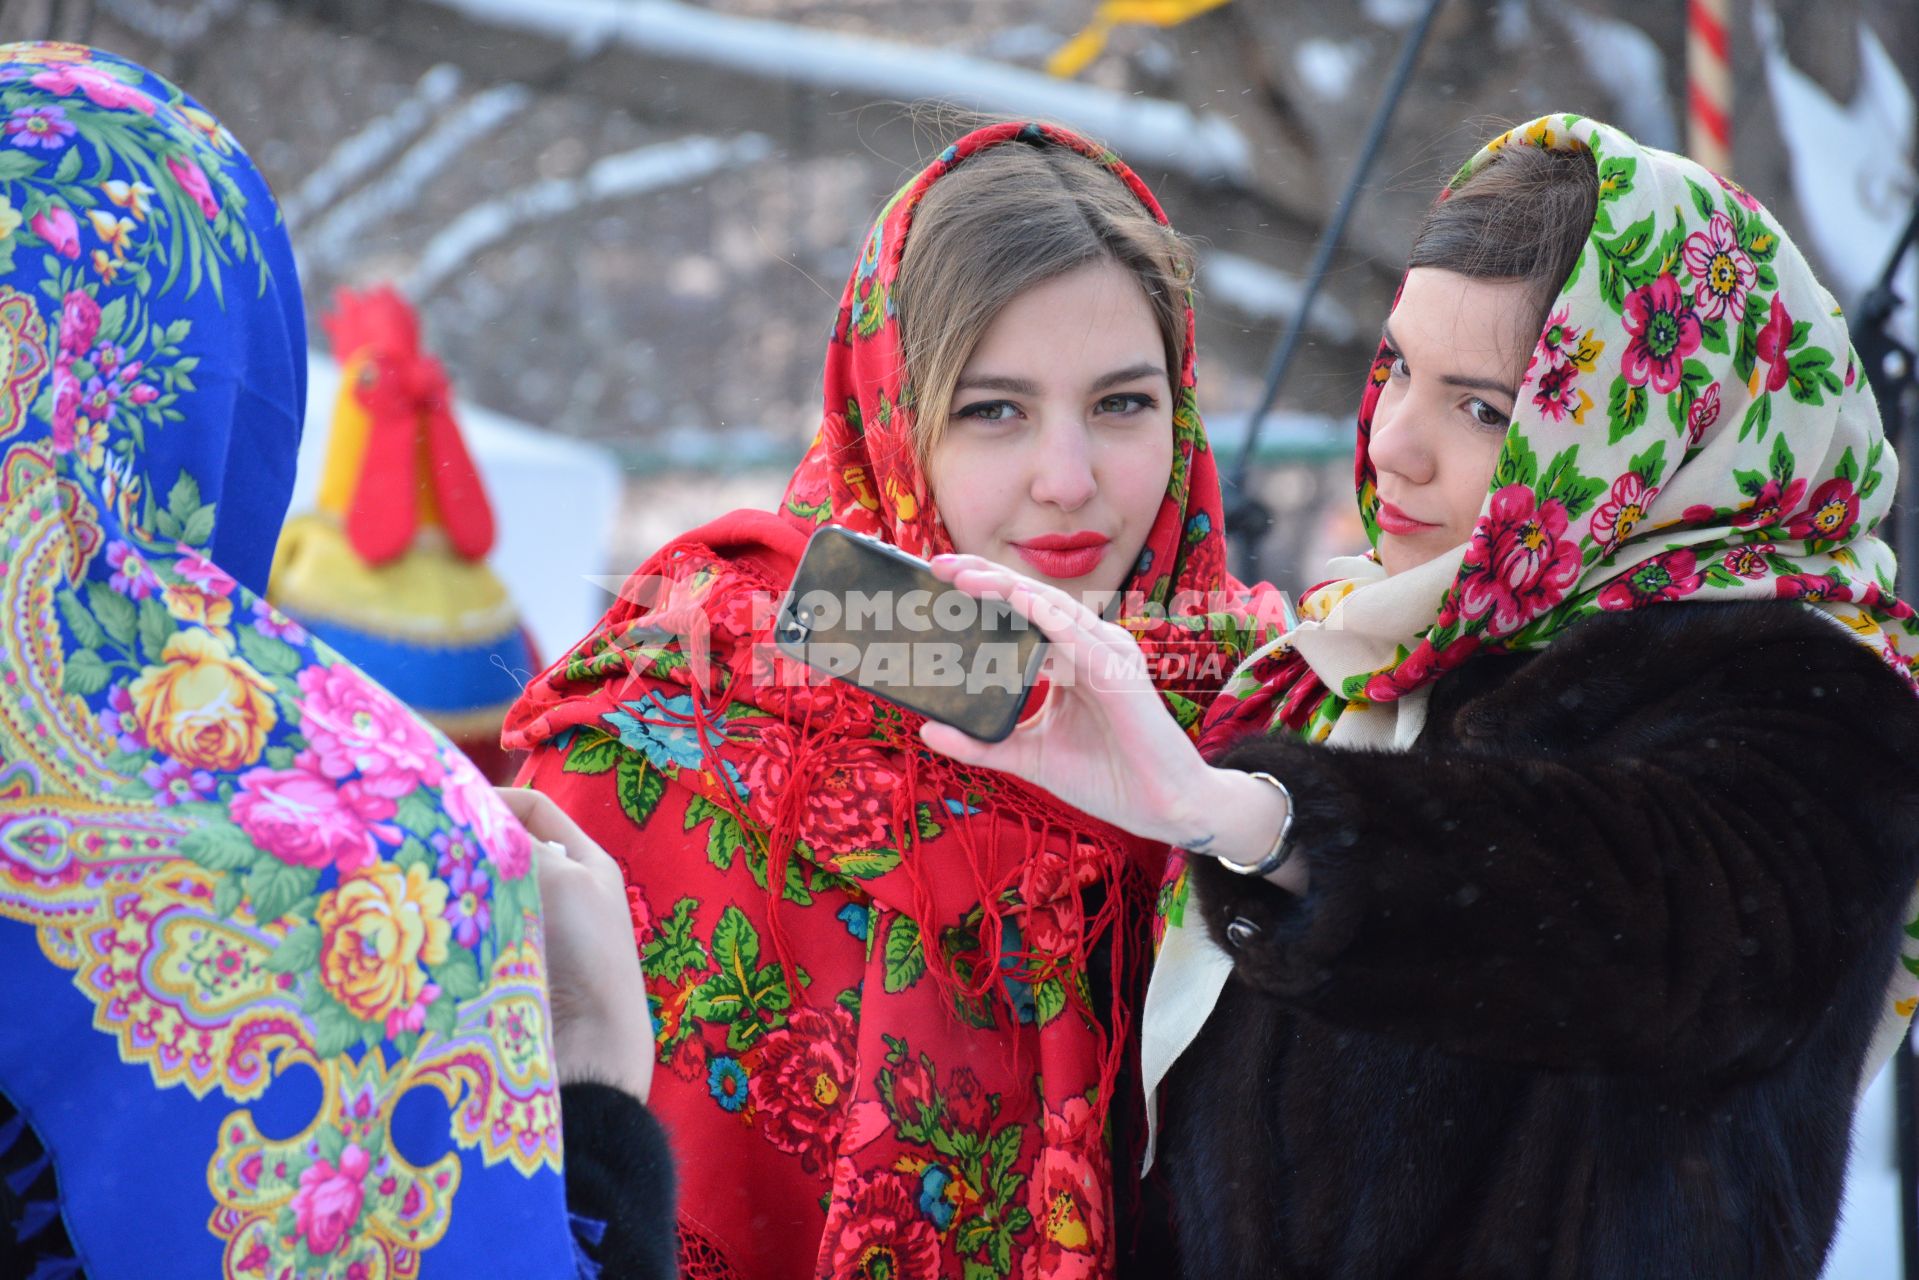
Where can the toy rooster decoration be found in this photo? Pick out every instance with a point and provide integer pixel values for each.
(391, 568)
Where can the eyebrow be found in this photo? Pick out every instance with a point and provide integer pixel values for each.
(1026, 387)
(1455, 379)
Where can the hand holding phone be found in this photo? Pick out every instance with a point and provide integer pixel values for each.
(875, 616)
(1106, 743)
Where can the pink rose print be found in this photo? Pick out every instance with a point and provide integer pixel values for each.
(1739, 193)
(1829, 515)
(1769, 505)
(804, 1086)
(471, 803)
(58, 227)
(101, 89)
(1748, 561)
(66, 407)
(1558, 398)
(1811, 587)
(329, 1199)
(303, 817)
(355, 726)
(1068, 1198)
(193, 180)
(850, 793)
(1421, 666)
(1622, 510)
(203, 573)
(79, 324)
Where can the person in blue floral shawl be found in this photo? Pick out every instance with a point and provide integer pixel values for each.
(276, 989)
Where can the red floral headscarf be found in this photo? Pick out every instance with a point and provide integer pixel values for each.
(895, 1047)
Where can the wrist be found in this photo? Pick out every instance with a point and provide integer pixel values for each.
(1233, 816)
(1192, 816)
(605, 1052)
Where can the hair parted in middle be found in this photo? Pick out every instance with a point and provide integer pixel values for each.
(1009, 218)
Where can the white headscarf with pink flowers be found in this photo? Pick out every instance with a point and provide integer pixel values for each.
(1693, 425)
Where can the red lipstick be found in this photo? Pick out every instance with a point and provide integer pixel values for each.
(1064, 555)
(1395, 521)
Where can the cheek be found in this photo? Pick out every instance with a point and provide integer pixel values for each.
(1473, 477)
(964, 493)
(1138, 475)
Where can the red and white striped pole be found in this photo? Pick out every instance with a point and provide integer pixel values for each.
(1709, 84)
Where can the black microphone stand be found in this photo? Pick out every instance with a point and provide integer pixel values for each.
(1892, 368)
(1247, 518)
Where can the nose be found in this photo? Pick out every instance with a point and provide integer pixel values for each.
(1062, 464)
(1398, 444)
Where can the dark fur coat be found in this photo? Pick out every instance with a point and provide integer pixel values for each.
(1582, 984)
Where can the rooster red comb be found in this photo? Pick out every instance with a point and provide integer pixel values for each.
(377, 317)
(409, 407)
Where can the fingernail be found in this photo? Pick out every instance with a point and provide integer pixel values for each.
(1241, 931)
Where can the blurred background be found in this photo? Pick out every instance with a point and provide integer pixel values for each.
(624, 224)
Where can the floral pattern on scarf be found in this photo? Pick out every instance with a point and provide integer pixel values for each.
(870, 966)
(1693, 425)
(246, 897)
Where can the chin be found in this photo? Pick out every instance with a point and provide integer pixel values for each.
(1398, 556)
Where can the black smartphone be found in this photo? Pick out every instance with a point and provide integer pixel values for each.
(875, 616)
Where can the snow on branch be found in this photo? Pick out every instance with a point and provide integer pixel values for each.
(628, 173)
(357, 156)
(1254, 289)
(341, 232)
(1149, 132)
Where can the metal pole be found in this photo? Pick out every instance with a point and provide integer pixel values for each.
(1890, 368)
(1247, 517)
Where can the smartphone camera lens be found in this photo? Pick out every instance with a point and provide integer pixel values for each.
(792, 631)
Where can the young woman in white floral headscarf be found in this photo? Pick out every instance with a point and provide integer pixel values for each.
(1542, 929)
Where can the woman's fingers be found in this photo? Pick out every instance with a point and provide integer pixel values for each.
(1047, 606)
(1094, 648)
(545, 821)
(956, 743)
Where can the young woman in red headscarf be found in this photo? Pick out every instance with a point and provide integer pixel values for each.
(900, 1058)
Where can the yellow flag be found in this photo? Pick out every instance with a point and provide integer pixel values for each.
(1074, 56)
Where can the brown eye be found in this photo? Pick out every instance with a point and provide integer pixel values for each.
(1487, 416)
(1126, 402)
(987, 411)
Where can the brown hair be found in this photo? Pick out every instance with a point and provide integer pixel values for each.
(1008, 218)
(1524, 215)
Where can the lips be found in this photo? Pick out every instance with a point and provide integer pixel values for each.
(1395, 521)
(1064, 555)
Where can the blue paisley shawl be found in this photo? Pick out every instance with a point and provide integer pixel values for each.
(273, 993)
